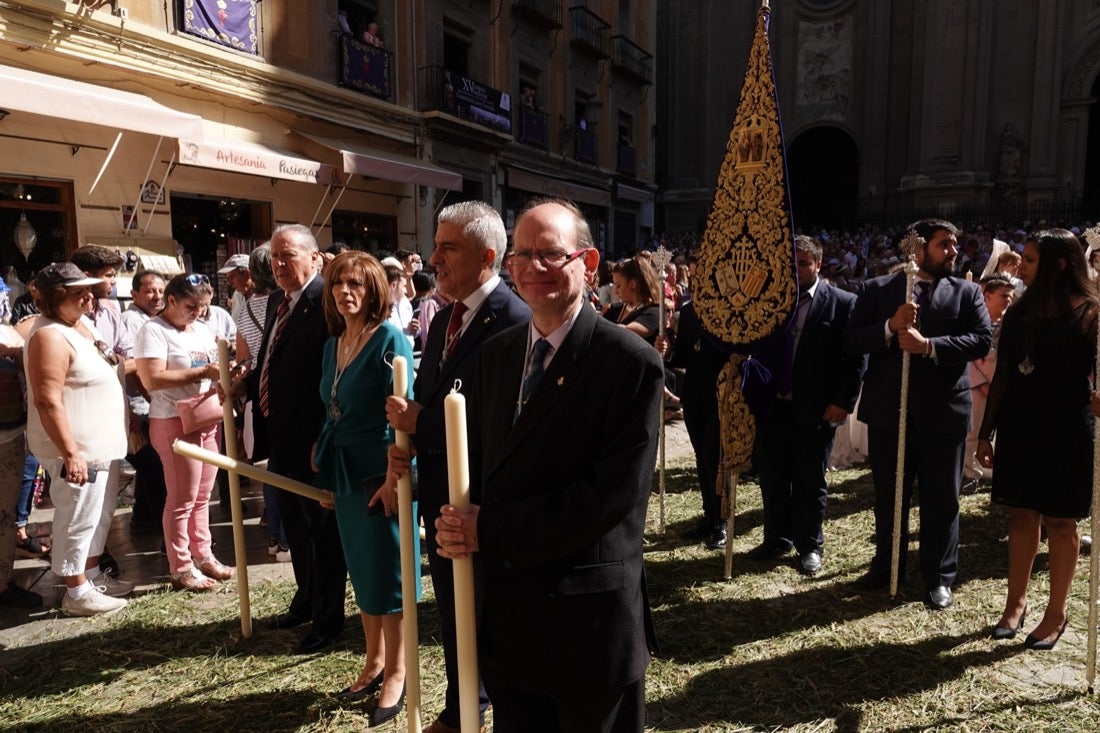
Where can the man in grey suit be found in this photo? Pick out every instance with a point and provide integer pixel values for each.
(943, 331)
(562, 445)
(814, 388)
(469, 247)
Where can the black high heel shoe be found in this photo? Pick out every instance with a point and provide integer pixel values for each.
(1042, 645)
(349, 695)
(381, 714)
(1002, 633)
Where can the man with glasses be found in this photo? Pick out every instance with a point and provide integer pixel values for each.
(562, 457)
(469, 246)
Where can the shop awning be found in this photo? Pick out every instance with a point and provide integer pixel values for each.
(388, 166)
(536, 183)
(55, 96)
(241, 156)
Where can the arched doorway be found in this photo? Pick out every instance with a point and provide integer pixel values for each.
(1092, 153)
(823, 172)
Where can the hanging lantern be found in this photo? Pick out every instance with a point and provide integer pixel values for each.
(25, 236)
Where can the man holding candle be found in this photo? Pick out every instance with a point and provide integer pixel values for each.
(562, 447)
(469, 247)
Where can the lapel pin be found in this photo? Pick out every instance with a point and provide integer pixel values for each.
(561, 381)
(486, 320)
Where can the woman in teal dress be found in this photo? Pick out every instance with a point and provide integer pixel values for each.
(350, 457)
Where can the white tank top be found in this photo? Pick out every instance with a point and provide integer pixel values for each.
(93, 398)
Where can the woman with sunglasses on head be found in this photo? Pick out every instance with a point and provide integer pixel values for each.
(76, 426)
(639, 290)
(1039, 407)
(176, 359)
(350, 457)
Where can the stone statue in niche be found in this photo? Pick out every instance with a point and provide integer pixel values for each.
(1011, 153)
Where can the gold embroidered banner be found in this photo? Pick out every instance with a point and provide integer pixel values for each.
(747, 290)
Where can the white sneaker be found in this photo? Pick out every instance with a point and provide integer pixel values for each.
(282, 554)
(111, 586)
(92, 603)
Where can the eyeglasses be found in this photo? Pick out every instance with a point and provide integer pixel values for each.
(550, 258)
(197, 278)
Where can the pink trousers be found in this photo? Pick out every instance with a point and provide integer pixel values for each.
(186, 520)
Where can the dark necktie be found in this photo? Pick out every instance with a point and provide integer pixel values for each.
(454, 327)
(534, 373)
(785, 379)
(280, 322)
(922, 292)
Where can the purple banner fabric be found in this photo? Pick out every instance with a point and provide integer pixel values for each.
(229, 23)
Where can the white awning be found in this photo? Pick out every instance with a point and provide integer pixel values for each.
(388, 166)
(241, 156)
(55, 96)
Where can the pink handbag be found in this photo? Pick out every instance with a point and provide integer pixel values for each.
(199, 412)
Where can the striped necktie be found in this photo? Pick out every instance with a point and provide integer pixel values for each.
(265, 375)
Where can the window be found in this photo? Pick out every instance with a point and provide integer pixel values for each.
(456, 48)
(624, 17)
(367, 232)
(230, 23)
(48, 208)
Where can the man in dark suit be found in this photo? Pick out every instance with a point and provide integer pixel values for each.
(287, 417)
(814, 387)
(564, 438)
(945, 329)
(469, 247)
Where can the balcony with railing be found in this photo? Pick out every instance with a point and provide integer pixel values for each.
(631, 59)
(465, 98)
(534, 128)
(588, 32)
(546, 13)
(628, 157)
(586, 146)
(365, 68)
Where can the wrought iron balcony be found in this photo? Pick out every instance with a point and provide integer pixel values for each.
(631, 59)
(542, 12)
(587, 146)
(461, 96)
(534, 129)
(365, 68)
(628, 156)
(588, 31)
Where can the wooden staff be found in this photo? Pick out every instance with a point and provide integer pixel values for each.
(899, 470)
(661, 258)
(731, 484)
(410, 561)
(1094, 554)
(240, 551)
(247, 469)
(458, 475)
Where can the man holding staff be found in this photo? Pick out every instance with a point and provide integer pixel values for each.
(287, 417)
(469, 248)
(945, 329)
(562, 445)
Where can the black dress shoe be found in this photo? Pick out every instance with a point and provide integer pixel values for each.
(1045, 645)
(381, 714)
(939, 598)
(1001, 633)
(717, 539)
(287, 621)
(768, 551)
(349, 695)
(313, 642)
(810, 563)
(873, 580)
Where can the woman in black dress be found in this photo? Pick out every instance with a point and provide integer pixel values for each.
(1039, 407)
(639, 289)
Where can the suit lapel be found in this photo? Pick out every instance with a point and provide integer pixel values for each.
(560, 375)
(468, 343)
(306, 303)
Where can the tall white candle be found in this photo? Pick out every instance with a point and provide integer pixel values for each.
(409, 561)
(458, 474)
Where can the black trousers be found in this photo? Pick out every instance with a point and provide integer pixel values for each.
(701, 421)
(935, 462)
(318, 561)
(617, 710)
(791, 462)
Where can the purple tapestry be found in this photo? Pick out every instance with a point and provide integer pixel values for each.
(226, 22)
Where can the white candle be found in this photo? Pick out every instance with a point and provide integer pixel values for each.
(409, 561)
(458, 474)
